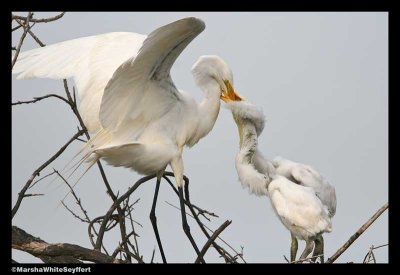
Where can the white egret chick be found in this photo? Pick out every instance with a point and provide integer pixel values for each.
(303, 201)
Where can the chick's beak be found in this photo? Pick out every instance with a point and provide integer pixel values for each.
(230, 95)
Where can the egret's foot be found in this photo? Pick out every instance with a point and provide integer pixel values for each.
(307, 250)
(319, 249)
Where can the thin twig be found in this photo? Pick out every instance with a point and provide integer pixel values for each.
(32, 195)
(42, 20)
(383, 245)
(219, 249)
(34, 183)
(36, 99)
(186, 201)
(78, 200)
(211, 240)
(115, 205)
(286, 259)
(91, 226)
(133, 227)
(41, 44)
(21, 40)
(357, 234)
(16, 28)
(73, 213)
(119, 248)
(371, 254)
(212, 231)
(152, 256)
(38, 170)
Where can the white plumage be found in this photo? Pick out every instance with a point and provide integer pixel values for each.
(90, 61)
(128, 99)
(301, 198)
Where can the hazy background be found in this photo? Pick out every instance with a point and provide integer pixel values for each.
(322, 80)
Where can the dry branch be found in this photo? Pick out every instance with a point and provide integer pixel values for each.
(212, 239)
(56, 253)
(36, 99)
(42, 20)
(78, 200)
(115, 205)
(357, 234)
(21, 40)
(227, 257)
(21, 194)
(21, 24)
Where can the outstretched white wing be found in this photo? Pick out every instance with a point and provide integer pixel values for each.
(141, 88)
(91, 61)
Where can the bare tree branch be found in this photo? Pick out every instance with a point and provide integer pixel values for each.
(16, 28)
(227, 256)
(120, 248)
(220, 250)
(21, 194)
(33, 195)
(42, 20)
(357, 234)
(115, 205)
(379, 246)
(21, 24)
(152, 256)
(21, 40)
(78, 200)
(36, 99)
(42, 178)
(55, 253)
(212, 239)
(73, 213)
(370, 255)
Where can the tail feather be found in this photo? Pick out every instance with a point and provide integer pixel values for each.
(93, 160)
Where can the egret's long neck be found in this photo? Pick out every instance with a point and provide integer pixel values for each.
(248, 160)
(248, 140)
(208, 108)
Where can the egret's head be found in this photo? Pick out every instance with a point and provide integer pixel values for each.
(210, 69)
(245, 112)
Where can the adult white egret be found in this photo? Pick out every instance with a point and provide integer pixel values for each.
(301, 198)
(127, 98)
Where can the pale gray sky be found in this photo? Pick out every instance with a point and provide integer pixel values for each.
(322, 80)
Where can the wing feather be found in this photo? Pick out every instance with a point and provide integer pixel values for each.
(142, 86)
(91, 61)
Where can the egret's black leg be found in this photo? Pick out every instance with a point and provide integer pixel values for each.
(319, 249)
(307, 250)
(185, 225)
(293, 248)
(153, 217)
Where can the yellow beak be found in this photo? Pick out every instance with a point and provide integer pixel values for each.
(230, 95)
